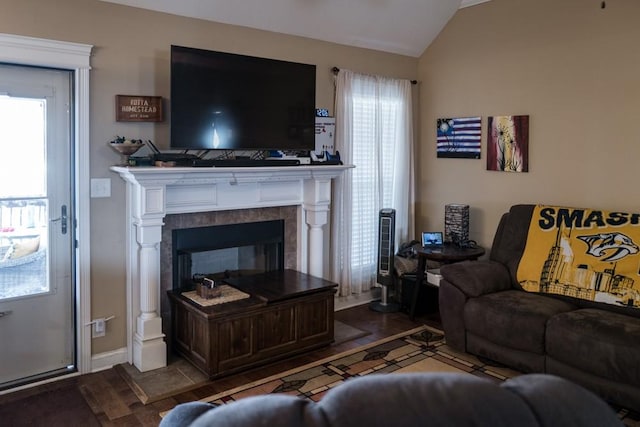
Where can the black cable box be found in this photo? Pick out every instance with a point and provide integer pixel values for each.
(328, 162)
(233, 163)
(173, 157)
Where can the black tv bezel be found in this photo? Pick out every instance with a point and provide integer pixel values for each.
(237, 62)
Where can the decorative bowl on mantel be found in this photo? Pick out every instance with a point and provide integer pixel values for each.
(126, 147)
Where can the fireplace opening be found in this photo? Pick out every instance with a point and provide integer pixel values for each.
(223, 251)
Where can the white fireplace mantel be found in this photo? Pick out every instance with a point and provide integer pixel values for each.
(154, 192)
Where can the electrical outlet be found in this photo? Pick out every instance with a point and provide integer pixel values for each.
(99, 328)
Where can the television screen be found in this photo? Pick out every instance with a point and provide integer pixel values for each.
(225, 101)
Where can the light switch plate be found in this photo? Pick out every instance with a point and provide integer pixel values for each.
(100, 187)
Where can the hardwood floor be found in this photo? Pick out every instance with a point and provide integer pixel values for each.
(112, 402)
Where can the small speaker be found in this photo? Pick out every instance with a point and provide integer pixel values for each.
(386, 250)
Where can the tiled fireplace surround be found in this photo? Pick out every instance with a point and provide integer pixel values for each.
(204, 219)
(162, 199)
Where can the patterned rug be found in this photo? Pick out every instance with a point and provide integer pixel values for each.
(419, 350)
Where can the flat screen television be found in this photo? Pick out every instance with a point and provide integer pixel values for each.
(225, 101)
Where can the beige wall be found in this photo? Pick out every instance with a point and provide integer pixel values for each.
(573, 68)
(131, 56)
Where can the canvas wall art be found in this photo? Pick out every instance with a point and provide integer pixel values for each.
(459, 137)
(508, 143)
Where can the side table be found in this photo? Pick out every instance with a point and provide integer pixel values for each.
(447, 254)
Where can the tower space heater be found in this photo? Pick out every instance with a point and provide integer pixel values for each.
(386, 250)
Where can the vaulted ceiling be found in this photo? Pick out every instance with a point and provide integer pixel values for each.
(404, 27)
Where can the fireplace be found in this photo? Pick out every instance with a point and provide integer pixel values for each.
(162, 199)
(211, 223)
(223, 251)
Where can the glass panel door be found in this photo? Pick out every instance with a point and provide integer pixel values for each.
(23, 203)
(36, 237)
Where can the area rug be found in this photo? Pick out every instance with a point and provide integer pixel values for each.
(422, 349)
(419, 350)
(180, 376)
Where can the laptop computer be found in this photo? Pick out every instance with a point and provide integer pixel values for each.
(432, 239)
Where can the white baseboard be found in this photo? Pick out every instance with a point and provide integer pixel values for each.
(102, 361)
(342, 303)
(469, 3)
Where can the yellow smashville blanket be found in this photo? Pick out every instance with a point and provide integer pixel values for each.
(583, 253)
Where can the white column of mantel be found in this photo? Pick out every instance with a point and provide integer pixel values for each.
(317, 197)
(149, 347)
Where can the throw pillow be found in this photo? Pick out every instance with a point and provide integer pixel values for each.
(24, 247)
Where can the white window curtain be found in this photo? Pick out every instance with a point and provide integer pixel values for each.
(374, 133)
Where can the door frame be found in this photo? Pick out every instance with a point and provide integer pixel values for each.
(76, 57)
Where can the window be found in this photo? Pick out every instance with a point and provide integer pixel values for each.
(374, 164)
(373, 132)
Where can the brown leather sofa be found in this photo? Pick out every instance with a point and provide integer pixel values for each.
(485, 312)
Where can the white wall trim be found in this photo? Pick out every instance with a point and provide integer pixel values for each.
(77, 57)
(107, 360)
(349, 301)
(469, 3)
(42, 52)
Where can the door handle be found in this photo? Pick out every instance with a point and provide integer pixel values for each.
(63, 219)
(5, 313)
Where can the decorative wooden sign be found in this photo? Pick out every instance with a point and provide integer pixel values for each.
(132, 108)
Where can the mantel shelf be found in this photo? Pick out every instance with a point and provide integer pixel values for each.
(247, 174)
(185, 189)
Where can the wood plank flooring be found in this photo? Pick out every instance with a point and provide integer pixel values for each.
(113, 403)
